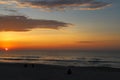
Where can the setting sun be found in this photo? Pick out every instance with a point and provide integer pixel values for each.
(6, 49)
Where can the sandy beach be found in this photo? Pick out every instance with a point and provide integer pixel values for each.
(13, 71)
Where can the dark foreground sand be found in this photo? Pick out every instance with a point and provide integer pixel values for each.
(47, 72)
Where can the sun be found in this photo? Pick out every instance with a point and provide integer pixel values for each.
(6, 49)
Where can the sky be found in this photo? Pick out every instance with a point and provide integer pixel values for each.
(60, 24)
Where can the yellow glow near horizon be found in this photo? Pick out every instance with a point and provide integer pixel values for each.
(34, 40)
(51, 39)
(6, 38)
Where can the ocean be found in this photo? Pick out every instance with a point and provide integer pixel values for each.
(63, 58)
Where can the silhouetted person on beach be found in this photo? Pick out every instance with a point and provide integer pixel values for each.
(25, 65)
(69, 71)
(32, 65)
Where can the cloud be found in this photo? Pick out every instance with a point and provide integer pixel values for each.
(99, 41)
(60, 4)
(87, 42)
(22, 23)
(96, 6)
(5, 1)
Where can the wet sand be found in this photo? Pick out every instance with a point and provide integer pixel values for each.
(14, 71)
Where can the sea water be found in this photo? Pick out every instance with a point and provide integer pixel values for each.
(62, 57)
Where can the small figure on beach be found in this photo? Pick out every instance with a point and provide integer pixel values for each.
(69, 71)
(32, 65)
(25, 65)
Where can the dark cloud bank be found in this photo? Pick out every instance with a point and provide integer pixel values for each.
(22, 23)
(64, 4)
(61, 4)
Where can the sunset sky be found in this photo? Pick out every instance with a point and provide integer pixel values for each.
(60, 24)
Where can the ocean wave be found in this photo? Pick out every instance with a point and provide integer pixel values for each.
(95, 61)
